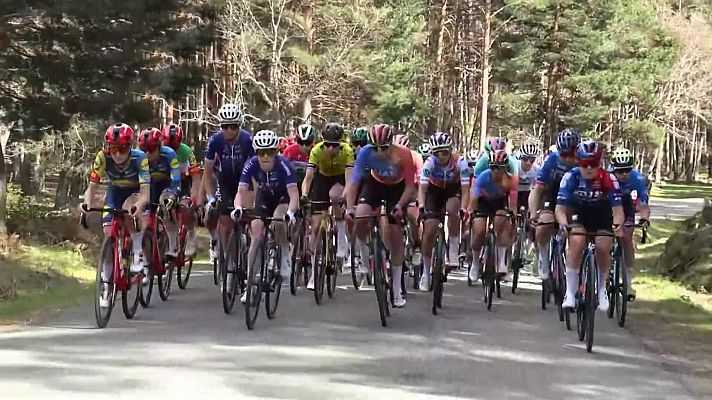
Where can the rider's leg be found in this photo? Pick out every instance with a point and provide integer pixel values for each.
(543, 234)
(452, 207)
(138, 259)
(503, 232)
(280, 233)
(574, 255)
(393, 234)
(415, 234)
(479, 227)
(629, 251)
(430, 226)
(335, 194)
(603, 259)
(171, 226)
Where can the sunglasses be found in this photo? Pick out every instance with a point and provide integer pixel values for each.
(332, 145)
(529, 159)
(497, 167)
(230, 126)
(119, 149)
(624, 171)
(305, 143)
(358, 144)
(442, 153)
(268, 152)
(566, 153)
(590, 164)
(382, 148)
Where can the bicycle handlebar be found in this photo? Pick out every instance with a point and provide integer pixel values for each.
(115, 212)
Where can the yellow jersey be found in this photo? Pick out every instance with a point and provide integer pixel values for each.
(331, 166)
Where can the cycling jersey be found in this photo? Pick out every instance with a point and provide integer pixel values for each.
(299, 160)
(418, 162)
(486, 187)
(271, 184)
(229, 158)
(455, 170)
(165, 168)
(131, 175)
(549, 175)
(187, 164)
(635, 188)
(577, 191)
(331, 166)
(483, 164)
(397, 167)
(527, 178)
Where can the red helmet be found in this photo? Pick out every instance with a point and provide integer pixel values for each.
(119, 135)
(172, 136)
(380, 135)
(149, 139)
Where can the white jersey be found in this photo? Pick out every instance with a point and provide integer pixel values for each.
(527, 178)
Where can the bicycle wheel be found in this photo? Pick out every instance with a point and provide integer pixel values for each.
(332, 265)
(379, 279)
(165, 280)
(437, 273)
(320, 265)
(273, 283)
(591, 300)
(129, 297)
(255, 279)
(559, 286)
(517, 259)
(147, 289)
(216, 269)
(356, 277)
(489, 272)
(229, 281)
(622, 293)
(103, 314)
(580, 301)
(183, 271)
(295, 274)
(553, 250)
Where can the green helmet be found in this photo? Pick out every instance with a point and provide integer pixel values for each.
(359, 136)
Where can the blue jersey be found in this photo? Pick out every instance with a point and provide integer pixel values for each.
(165, 168)
(635, 183)
(552, 171)
(273, 184)
(486, 187)
(399, 166)
(229, 158)
(577, 191)
(130, 175)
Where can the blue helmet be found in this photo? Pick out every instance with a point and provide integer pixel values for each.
(567, 140)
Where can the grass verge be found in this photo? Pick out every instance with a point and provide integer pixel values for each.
(677, 191)
(41, 280)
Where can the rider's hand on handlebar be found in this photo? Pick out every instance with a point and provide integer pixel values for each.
(236, 214)
(644, 223)
(397, 212)
(84, 207)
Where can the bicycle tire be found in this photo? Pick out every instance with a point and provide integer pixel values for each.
(331, 265)
(356, 278)
(560, 288)
(273, 285)
(296, 257)
(216, 270)
(319, 266)
(379, 280)
(107, 253)
(254, 286)
(591, 300)
(437, 273)
(165, 281)
(622, 293)
(517, 260)
(489, 272)
(129, 301)
(231, 256)
(580, 303)
(147, 289)
(187, 266)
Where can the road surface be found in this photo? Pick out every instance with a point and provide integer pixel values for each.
(189, 347)
(674, 208)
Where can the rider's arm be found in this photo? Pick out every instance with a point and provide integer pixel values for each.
(293, 193)
(208, 174)
(560, 214)
(513, 192)
(464, 183)
(308, 178)
(352, 185)
(564, 197)
(175, 172)
(144, 180)
(194, 176)
(98, 172)
(348, 172)
(535, 198)
(241, 190)
(350, 161)
(475, 194)
(424, 181)
(290, 181)
(248, 171)
(616, 200)
(408, 171)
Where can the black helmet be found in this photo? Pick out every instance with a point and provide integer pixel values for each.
(333, 132)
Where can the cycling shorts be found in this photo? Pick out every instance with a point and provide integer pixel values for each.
(265, 203)
(157, 189)
(115, 198)
(436, 199)
(490, 206)
(320, 189)
(373, 192)
(594, 217)
(523, 200)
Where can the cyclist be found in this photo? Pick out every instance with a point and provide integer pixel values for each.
(277, 196)
(298, 152)
(228, 149)
(494, 144)
(546, 188)
(424, 151)
(592, 194)
(527, 173)
(330, 166)
(128, 186)
(444, 186)
(190, 179)
(493, 195)
(165, 178)
(391, 179)
(359, 138)
(634, 192)
(413, 209)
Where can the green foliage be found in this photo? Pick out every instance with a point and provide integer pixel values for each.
(21, 209)
(643, 132)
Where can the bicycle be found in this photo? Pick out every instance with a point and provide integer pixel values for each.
(157, 239)
(358, 279)
(491, 280)
(587, 293)
(519, 245)
(182, 263)
(300, 256)
(233, 265)
(438, 261)
(116, 248)
(269, 280)
(327, 266)
(377, 264)
(617, 284)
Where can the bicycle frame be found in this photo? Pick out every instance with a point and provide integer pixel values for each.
(152, 223)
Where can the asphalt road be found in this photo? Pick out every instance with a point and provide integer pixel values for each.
(188, 346)
(674, 208)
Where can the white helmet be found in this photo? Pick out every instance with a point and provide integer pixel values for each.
(264, 140)
(529, 150)
(439, 141)
(472, 156)
(230, 114)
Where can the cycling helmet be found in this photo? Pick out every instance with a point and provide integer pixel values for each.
(359, 136)
(119, 135)
(567, 140)
(529, 150)
(589, 150)
(230, 114)
(402, 140)
(621, 158)
(498, 158)
(495, 143)
(306, 133)
(172, 136)
(333, 132)
(380, 135)
(440, 141)
(472, 156)
(424, 149)
(264, 140)
(149, 139)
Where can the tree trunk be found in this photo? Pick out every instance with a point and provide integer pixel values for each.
(3, 191)
(486, 44)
